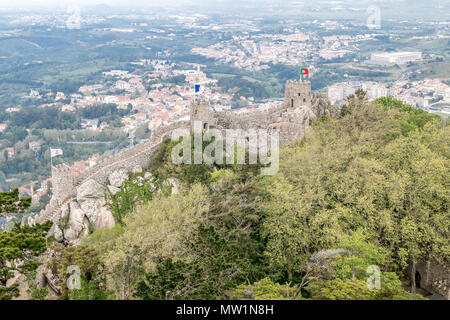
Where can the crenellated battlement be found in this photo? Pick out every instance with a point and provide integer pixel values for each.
(201, 110)
(297, 94)
(291, 118)
(62, 168)
(62, 182)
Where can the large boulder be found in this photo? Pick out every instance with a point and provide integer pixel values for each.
(89, 211)
(90, 208)
(104, 219)
(303, 115)
(77, 223)
(90, 189)
(57, 233)
(117, 177)
(98, 213)
(321, 105)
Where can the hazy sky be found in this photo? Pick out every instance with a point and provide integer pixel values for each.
(8, 3)
(86, 2)
(123, 3)
(47, 3)
(408, 5)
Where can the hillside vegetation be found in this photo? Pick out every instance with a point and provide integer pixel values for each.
(365, 190)
(367, 187)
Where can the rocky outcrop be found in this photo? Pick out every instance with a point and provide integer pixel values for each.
(77, 224)
(20, 280)
(113, 189)
(136, 169)
(321, 105)
(78, 204)
(88, 212)
(148, 176)
(116, 178)
(91, 189)
(47, 276)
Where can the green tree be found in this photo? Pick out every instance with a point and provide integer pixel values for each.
(362, 171)
(21, 244)
(211, 269)
(11, 203)
(264, 289)
(142, 132)
(156, 230)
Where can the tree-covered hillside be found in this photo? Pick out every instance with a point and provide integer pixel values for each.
(363, 196)
(365, 189)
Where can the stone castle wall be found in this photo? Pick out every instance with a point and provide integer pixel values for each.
(138, 155)
(65, 187)
(434, 278)
(298, 95)
(257, 119)
(62, 182)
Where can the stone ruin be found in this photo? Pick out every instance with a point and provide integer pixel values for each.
(432, 276)
(78, 203)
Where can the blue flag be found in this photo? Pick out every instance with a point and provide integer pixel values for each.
(197, 88)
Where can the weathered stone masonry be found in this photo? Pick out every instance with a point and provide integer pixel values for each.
(433, 277)
(64, 187)
(291, 118)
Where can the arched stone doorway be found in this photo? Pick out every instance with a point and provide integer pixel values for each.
(418, 279)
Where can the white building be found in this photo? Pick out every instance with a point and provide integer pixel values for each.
(375, 90)
(395, 57)
(339, 91)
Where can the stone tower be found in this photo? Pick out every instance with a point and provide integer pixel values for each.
(201, 111)
(62, 182)
(297, 93)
